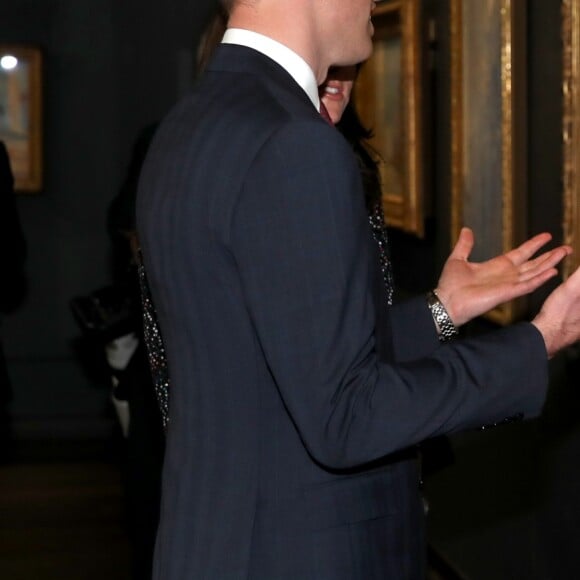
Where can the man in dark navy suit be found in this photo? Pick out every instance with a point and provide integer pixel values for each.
(297, 392)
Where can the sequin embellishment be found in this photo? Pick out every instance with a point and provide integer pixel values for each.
(154, 346)
(379, 231)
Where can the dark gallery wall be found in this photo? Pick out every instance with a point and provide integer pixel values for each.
(64, 223)
(155, 45)
(110, 68)
(545, 208)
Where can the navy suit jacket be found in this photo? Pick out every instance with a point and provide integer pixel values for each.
(296, 393)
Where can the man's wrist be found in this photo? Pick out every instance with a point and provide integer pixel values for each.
(445, 326)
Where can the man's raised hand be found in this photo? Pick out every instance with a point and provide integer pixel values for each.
(469, 289)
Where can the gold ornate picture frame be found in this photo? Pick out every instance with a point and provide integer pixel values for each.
(388, 99)
(488, 140)
(21, 113)
(571, 130)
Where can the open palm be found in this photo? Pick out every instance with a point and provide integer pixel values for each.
(469, 289)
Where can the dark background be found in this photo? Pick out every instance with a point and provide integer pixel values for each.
(507, 505)
(110, 68)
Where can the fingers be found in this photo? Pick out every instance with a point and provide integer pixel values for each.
(559, 318)
(530, 284)
(534, 277)
(512, 291)
(545, 261)
(464, 245)
(524, 252)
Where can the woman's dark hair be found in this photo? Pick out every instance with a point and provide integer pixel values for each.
(211, 38)
(358, 136)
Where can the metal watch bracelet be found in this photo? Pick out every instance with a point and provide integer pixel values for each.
(447, 330)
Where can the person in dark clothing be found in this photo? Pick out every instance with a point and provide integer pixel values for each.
(144, 435)
(13, 286)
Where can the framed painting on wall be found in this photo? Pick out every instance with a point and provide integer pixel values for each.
(388, 99)
(571, 130)
(21, 113)
(488, 141)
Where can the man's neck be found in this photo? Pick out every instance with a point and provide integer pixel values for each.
(293, 63)
(274, 24)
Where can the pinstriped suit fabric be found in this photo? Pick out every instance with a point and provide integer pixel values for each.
(295, 394)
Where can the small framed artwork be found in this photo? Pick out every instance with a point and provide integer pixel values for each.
(388, 99)
(21, 113)
(488, 141)
(571, 130)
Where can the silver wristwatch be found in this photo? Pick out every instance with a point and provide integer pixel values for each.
(447, 330)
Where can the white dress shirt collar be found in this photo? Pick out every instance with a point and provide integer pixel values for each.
(294, 65)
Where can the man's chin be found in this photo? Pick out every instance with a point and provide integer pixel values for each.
(368, 48)
(362, 55)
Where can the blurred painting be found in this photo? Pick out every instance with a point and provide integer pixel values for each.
(20, 114)
(571, 131)
(488, 126)
(482, 139)
(389, 112)
(387, 95)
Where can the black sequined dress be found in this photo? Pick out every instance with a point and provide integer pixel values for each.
(154, 346)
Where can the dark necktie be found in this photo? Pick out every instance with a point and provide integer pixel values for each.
(324, 114)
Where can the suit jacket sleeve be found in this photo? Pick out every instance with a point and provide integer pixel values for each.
(412, 314)
(301, 242)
